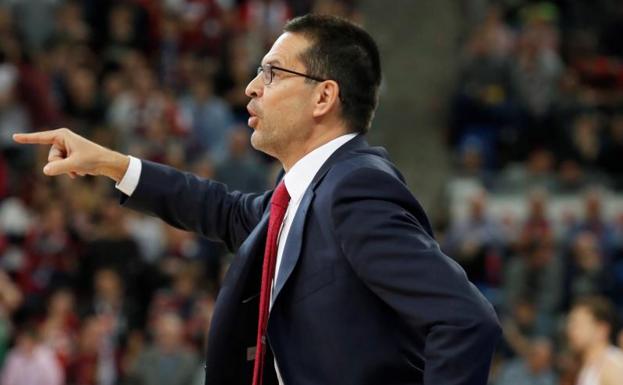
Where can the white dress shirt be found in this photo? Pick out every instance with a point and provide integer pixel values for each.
(297, 180)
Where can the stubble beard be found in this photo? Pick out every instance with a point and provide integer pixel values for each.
(265, 140)
(277, 141)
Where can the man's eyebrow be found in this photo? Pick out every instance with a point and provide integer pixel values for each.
(272, 62)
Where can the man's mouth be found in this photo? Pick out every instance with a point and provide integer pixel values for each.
(252, 122)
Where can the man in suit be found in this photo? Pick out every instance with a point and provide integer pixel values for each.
(337, 277)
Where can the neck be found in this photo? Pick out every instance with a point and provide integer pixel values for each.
(594, 352)
(299, 150)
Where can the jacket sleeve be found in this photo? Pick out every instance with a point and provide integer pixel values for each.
(386, 237)
(195, 204)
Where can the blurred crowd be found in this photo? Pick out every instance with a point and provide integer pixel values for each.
(538, 115)
(540, 96)
(91, 293)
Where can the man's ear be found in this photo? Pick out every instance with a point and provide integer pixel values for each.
(326, 97)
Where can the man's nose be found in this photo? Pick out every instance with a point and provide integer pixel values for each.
(255, 87)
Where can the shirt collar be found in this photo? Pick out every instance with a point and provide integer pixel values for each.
(298, 178)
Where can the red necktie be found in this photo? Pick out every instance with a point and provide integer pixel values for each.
(278, 205)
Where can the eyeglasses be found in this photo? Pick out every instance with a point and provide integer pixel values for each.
(268, 73)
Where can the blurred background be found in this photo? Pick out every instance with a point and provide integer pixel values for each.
(506, 118)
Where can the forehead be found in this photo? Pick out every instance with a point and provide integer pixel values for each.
(286, 50)
(580, 313)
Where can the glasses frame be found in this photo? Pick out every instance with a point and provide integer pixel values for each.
(269, 67)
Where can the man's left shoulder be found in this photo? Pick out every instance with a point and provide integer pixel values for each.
(371, 162)
(367, 176)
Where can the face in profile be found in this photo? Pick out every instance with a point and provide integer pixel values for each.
(280, 112)
(582, 329)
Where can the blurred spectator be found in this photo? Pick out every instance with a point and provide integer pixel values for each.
(148, 233)
(538, 171)
(144, 114)
(240, 170)
(35, 21)
(187, 300)
(235, 74)
(182, 247)
(589, 328)
(264, 19)
(535, 368)
(70, 26)
(37, 94)
(520, 327)
(485, 103)
(113, 314)
(170, 51)
(10, 300)
(31, 362)
(613, 148)
(202, 23)
(82, 103)
(166, 361)
(536, 277)
(111, 303)
(126, 31)
(112, 247)
(537, 226)
(13, 117)
(589, 273)
(134, 348)
(60, 327)
(536, 72)
(209, 118)
(584, 140)
(16, 219)
(572, 178)
(475, 243)
(595, 223)
(472, 162)
(94, 363)
(51, 256)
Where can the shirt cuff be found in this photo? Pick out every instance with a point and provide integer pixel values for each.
(130, 179)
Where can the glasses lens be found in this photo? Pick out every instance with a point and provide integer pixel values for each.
(265, 70)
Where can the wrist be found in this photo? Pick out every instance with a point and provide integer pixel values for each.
(115, 166)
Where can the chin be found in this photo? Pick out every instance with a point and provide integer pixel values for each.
(255, 141)
(261, 143)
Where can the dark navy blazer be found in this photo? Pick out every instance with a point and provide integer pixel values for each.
(364, 295)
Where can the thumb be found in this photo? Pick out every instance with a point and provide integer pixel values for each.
(61, 166)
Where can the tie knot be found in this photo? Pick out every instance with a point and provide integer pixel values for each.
(280, 196)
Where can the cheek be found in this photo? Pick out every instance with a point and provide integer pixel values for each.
(582, 334)
(286, 108)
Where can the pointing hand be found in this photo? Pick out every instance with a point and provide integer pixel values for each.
(72, 154)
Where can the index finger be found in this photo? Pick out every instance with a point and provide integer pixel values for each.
(42, 137)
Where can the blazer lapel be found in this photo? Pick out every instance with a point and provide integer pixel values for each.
(292, 249)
